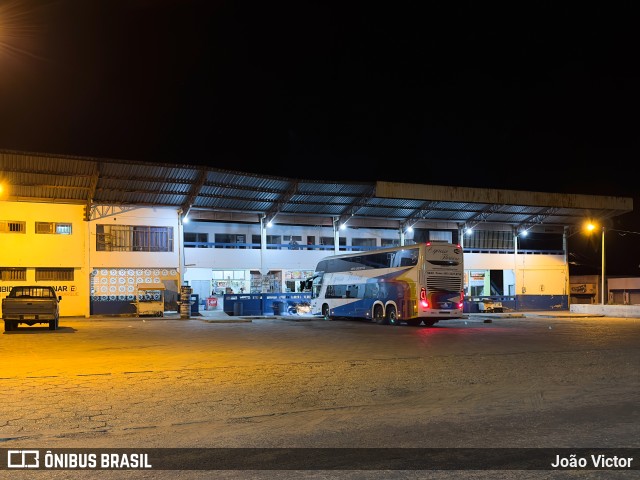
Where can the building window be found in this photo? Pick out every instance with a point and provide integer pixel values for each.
(52, 227)
(294, 242)
(54, 274)
(441, 235)
(193, 238)
(489, 240)
(329, 241)
(8, 274)
(363, 243)
(13, 226)
(63, 228)
(230, 240)
(133, 238)
(389, 242)
(44, 227)
(274, 242)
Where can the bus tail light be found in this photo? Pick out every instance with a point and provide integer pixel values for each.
(461, 304)
(424, 303)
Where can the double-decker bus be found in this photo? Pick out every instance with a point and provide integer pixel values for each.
(421, 283)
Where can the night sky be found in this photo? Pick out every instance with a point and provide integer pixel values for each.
(542, 96)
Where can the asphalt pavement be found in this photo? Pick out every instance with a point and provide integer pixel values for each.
(531, 379)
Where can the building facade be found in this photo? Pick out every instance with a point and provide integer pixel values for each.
(97, 264)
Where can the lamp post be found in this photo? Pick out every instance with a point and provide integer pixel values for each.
(603, 271)
(590, 228)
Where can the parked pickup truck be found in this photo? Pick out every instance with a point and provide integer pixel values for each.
(31, 305)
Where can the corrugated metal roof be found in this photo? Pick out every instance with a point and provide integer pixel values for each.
(212, 194)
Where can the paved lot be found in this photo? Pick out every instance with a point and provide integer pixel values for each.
(215, 381)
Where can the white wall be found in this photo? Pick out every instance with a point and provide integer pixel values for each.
(114, 274)
(165, 217)
(534, 274)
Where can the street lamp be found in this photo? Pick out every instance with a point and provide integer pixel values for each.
(591, 227)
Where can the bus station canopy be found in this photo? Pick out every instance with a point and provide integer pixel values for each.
(200, 192)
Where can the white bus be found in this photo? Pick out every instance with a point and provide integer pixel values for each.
(421, 283)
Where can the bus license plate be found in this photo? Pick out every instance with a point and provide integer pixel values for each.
(28, 317)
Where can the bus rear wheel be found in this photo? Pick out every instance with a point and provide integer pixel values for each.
(378, 315)
(392, 317)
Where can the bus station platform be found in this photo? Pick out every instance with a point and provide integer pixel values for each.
(221, 316)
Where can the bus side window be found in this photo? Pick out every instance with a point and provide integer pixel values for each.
(352, 291)
(371, 290)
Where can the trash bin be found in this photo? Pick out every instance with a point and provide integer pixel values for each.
(237, 308)
(195, 303)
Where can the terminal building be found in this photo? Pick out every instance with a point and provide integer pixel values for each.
(99, 229)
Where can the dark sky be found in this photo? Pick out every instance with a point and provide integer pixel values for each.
(531, 96)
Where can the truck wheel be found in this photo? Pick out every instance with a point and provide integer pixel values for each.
(53, 324)
(8, 326)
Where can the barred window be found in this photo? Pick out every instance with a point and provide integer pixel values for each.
(45, 227)
(52, 227)
(63, 228)
(133, 238)
(8, 274)
(13, 226)
(54, 274)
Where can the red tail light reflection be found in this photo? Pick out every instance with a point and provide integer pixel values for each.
(423, 298)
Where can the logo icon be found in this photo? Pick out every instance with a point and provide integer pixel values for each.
(23, 459)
